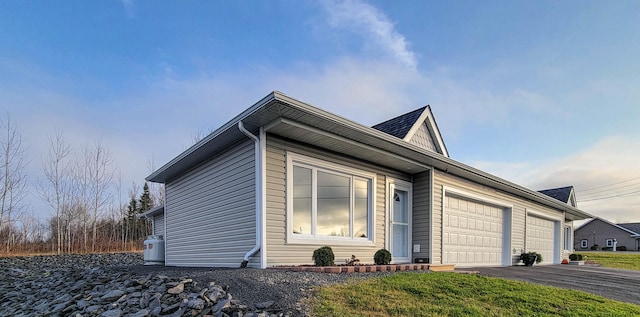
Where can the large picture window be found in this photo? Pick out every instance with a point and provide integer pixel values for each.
(328, 201)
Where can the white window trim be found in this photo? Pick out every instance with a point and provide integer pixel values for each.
(306, 161)
(584, 243)
(609, 243)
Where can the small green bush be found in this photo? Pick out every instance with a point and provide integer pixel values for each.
(529, 258)
(323, 256)
(575, 257)
(382, 257)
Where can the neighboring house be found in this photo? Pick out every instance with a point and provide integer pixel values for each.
(284, 178)
(602, 233)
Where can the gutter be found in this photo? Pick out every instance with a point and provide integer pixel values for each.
(258, 177)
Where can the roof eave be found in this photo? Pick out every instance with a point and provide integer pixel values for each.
(163, 173)
(381, 140)
(152, 212)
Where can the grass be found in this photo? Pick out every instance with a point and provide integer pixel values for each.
(451, 294)
(619, 260)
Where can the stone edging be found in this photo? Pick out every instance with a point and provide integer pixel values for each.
(368, 268)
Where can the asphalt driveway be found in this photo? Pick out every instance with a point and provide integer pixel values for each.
(621, 285)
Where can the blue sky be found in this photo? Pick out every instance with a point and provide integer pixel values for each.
(542, 93)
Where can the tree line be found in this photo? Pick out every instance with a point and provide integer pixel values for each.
(82, 190)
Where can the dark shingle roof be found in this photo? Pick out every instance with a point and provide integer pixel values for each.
(400, 126)
(562, 194)
(635, 227)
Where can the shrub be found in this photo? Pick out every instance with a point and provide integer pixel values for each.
(575, 257)
(529, 258)
(323, 256)
(621, 248)
(607, 248)
(594, 247)
(352, 261)
(382, 257)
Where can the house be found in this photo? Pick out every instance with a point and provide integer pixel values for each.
(284, 178)
(602, 233)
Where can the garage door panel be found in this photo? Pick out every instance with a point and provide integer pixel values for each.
(473, 233)
(541, 237)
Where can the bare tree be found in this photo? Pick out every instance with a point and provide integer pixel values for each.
(55, 188)
(12, 178)
(82, 199)
(200, 135)
(101, 177)
(122, 209)
(156, 189)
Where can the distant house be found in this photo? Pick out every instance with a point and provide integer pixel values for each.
(284, 178)
(602, 233)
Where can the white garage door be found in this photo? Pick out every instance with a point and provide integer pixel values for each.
(541, 237)
(472, 233)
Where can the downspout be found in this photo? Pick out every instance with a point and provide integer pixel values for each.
(258, 188)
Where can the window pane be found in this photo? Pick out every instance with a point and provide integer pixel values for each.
(361, 209)
(333, 205)
(301, 200)
(400, 241)
(400, 206)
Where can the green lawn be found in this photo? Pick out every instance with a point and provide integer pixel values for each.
(620, 260)
(452, 294)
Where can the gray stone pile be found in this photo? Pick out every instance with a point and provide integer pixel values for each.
(120, 285)
(97, 285)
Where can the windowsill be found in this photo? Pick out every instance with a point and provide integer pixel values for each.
(292, 239)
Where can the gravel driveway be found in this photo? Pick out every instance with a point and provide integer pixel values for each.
(616, 284)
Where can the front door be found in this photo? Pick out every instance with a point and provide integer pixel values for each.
(400, 224)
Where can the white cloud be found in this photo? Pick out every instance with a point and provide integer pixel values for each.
(158, 119)
(610, 160)
(129, 8)
(373, 24)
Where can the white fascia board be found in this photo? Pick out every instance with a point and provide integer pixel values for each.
(152, 212)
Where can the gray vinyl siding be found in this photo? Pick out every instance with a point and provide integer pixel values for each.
(518, 216)
(279, 251)
(423, 138)
(421, 211)
(599, 231)
(158, 225)
(210, 211)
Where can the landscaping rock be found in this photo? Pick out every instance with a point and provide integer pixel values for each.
(113, 285)
(176, 290)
